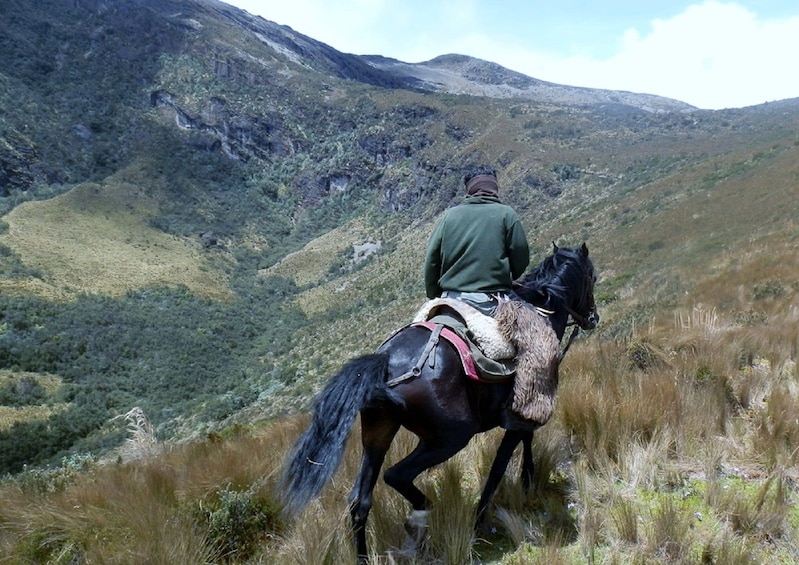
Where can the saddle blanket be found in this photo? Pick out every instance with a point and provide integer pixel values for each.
(464, 352)
(483, 329)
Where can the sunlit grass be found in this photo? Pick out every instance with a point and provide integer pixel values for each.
(97, 239)
(675, 444)
(49, 386)
(10, 415)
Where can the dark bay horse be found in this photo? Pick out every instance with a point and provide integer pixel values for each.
(440, 406)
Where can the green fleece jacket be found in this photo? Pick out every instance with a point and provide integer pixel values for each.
(477, 246)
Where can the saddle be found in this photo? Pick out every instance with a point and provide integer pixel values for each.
(481, 344)
(518, 343)
(482, 330)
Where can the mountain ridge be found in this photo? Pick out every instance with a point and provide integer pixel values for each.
(462, 74)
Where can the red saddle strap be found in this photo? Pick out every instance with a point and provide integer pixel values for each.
(460, 345)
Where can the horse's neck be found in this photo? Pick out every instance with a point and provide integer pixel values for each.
(558, 321)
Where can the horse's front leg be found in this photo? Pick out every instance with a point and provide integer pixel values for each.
(528, 466)
(510, 440)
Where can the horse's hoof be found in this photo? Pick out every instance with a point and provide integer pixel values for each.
(415, 533)
(417, 519)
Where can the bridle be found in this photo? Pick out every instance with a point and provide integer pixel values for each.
(588, 321)
(585, 322)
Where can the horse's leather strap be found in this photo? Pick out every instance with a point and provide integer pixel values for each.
(416, 370)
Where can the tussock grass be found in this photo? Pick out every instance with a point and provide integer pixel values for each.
(675, 444)
(193, 503)
(141, 441)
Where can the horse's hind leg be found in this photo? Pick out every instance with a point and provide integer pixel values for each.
(401, 477)
(377, 432)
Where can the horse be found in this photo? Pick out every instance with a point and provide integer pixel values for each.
(440, 405)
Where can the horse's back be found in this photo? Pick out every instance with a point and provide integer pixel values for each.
(438, 394)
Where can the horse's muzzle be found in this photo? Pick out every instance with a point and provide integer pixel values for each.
(592, 321)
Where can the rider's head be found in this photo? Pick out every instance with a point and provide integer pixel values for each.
(481, 181)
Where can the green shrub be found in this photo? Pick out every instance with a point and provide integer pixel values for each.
(237, 521)
(768, 289)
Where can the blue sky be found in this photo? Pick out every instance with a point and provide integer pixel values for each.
(710, 53)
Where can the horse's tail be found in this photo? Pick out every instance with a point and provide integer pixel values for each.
(317, 453)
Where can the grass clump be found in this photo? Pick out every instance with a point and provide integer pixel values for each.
(237, 523)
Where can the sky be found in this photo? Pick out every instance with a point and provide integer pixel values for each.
(712, 54)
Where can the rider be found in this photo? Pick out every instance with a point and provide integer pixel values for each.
(476, 251)
(478, 248)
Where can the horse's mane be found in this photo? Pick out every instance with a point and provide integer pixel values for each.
(547, 284)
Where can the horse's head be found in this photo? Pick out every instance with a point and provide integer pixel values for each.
(583, 309)
(564, 281)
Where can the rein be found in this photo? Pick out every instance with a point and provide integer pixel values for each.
(572, 337)
(576, 323)
(578, 319)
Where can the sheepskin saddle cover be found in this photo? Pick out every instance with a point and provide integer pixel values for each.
(537, 359)
(518, 332)
(484, 330)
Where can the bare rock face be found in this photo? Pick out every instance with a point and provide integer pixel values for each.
(21, 166)
(218, 128)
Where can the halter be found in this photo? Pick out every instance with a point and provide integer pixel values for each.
(579, 319)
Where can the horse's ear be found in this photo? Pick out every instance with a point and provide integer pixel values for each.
(554, 247)
(584, 250)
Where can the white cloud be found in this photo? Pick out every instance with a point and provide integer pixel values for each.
(712, 55)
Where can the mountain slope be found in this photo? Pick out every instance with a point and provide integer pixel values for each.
(187, 193)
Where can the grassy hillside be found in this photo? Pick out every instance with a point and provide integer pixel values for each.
(674, 444)
(213, 210)
(97, 238)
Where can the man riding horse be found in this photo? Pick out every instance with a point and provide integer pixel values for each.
(476, 251)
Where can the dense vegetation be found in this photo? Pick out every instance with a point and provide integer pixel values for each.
(674, 445)
(165, 350)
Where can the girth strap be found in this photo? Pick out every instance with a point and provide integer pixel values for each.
(416, 370)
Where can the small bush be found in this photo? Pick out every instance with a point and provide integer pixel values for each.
(644, 355)
(769, 289)
(237, 522)
(37, 482)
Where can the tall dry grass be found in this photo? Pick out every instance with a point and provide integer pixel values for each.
(677, 444)
(162, 509)
(685, 435)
